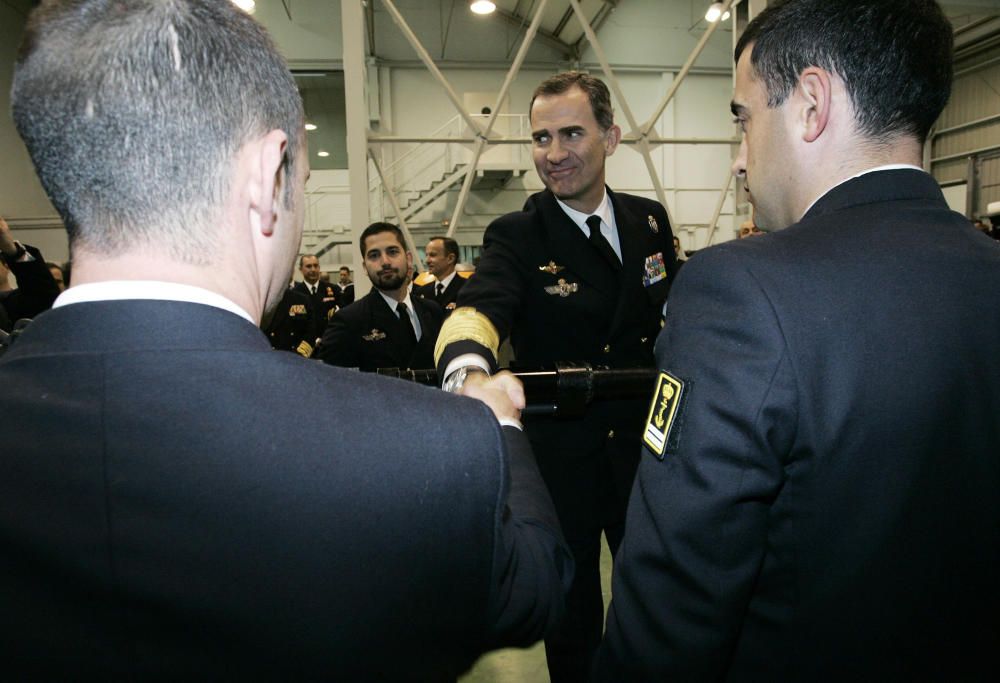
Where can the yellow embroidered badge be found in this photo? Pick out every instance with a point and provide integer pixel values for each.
(662, 413)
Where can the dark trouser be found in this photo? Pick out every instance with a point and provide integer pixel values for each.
(590, 493)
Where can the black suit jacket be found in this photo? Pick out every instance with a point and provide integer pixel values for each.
(368, 335)
(449, 297)
(541, 282)
(324, 302)
(828, 506)
(167, 513)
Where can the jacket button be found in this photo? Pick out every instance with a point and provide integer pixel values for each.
(607, 348)
(611, 434)
(643, 340)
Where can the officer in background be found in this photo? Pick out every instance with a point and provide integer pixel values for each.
(387, 328)
(36, 288)
(819, 493)
(581, 274)
(346, 287)
(441, 256)
(323, 296)
(293, 324)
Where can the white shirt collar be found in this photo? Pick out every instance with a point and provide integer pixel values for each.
(393, 303)
(603, 210)
(410, 311)
(887, 167)
(155, 290)
(608, 226)
(447, 281)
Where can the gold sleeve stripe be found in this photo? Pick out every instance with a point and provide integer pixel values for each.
(467, 324)
(305, 349)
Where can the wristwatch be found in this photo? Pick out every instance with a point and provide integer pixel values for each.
(456, 380)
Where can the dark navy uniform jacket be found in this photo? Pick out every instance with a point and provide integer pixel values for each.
(826, 505)
(368, 335)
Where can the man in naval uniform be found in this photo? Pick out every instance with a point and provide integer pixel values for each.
(387, 328)
(819, 493)
(292, 326)
(324, 296)
(441, 255)
(580, 274)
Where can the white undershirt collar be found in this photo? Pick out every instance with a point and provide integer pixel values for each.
(150, 290)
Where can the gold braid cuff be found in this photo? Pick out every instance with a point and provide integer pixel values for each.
(467, 324)
(304, 349)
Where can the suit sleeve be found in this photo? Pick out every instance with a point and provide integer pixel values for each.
(696, 530)
(532, 567)
(340, 345)
(36, 288)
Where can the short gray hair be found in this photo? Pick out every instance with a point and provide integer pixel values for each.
(133, 110)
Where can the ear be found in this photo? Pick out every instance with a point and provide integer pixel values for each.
(612, 136)
(815, 90)
(267, 179)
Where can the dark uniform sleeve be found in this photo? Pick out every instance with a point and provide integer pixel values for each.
(696, 531)
(487, 303)
(36, 288)
(532, 567)
(340, 345)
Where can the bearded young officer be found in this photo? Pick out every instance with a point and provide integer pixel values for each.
(387, 328)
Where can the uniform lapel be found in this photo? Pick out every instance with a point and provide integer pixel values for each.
(634, 244)
(570, 248)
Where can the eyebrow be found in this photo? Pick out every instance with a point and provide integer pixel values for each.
(564, 131)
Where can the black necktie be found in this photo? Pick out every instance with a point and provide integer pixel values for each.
(312, 289)
(601, 244)
(437, 290)
(408, 332)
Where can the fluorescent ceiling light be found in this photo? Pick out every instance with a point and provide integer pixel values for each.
(247, 6)
(482, 7)
(321, 153)
(714, 12)
(310, 126)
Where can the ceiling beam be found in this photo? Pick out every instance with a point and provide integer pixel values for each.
(544, 36)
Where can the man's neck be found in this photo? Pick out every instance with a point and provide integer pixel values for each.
(242, 288)
(445, 276)
(396, 294)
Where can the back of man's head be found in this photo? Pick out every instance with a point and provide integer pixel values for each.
(133, 110)
(894, 56)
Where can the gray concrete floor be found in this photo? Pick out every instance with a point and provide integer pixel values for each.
(527, 666)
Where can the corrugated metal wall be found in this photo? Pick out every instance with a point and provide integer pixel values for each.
(965, 145)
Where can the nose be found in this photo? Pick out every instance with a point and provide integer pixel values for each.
(739, 167)
(555, 154)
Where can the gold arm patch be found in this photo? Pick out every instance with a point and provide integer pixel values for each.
(663, 414)
(466, 323)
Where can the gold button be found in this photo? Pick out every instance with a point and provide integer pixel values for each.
(643, 340)
(611, 434)
(607, 348)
